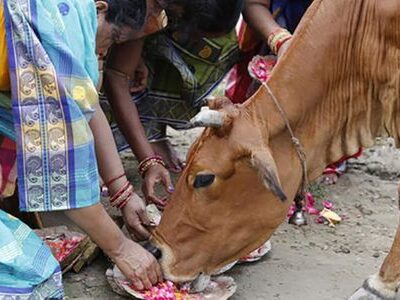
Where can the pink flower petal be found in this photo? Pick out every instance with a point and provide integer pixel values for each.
(312, 211)
(310, 199)
(327, 204)
(291, 210)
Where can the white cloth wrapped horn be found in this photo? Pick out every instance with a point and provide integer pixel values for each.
(208, 118)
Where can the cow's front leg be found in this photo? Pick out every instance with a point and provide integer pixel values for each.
(384, 285)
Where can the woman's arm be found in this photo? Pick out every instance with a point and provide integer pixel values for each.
(257, 14)
(123, 61)
(109, 162)
(110, 167)
(136, 263)
(121, 64)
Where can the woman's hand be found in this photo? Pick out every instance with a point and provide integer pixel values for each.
(139, 80)
(138, 265)
(135, 216)
(154, 175)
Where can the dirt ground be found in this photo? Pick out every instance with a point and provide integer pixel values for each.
(316, 262)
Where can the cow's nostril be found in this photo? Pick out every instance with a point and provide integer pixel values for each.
(152, 249)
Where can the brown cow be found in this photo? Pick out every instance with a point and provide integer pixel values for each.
(339, 83)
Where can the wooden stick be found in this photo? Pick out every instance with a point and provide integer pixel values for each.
(38, 220)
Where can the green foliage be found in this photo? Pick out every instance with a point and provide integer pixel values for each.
(318, 190)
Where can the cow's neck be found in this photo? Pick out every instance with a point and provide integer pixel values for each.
(336, 99)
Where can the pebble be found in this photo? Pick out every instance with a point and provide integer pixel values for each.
(363, 210)
(343, 249)
(376, 254)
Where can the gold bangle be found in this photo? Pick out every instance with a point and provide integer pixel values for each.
(275, 38)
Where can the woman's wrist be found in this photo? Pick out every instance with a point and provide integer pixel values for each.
(277, 38)
(145, 152)
(149, 162)
(115, 251)
(121, 194)
(116, 184)
(133, 197)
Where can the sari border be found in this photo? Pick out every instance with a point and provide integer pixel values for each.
(14, 78)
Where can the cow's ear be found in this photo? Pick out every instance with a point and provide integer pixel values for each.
(264, 163)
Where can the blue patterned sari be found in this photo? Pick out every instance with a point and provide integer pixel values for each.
(53, 70)
(27, 268)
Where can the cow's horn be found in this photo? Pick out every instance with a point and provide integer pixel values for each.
(208, 118)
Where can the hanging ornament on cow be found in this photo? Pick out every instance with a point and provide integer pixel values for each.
(298, 218)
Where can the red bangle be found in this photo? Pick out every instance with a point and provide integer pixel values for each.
(277, 38)
(108, 183)
(125, 202)
(123, 198)
(280, 43)
(120, 191)
(274, 33)
(120, 201)
(149, 162)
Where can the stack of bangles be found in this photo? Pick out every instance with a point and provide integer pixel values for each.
(277, 38)
(122, 196)
(149, 162)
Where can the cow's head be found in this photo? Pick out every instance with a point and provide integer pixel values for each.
(229, 199)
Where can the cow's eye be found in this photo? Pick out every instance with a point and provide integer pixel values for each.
(203, 180)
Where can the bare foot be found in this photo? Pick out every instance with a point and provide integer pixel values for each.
(329, 179)
(168, 153)
(333, 172)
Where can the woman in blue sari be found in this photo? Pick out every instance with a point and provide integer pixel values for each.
(55, 139)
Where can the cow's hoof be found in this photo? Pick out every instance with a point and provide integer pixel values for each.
(367, 292)
(363, 294)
